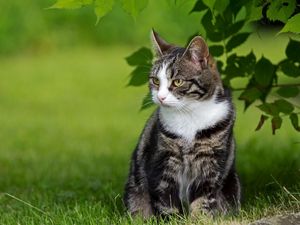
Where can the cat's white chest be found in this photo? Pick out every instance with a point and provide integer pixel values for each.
(201, 115)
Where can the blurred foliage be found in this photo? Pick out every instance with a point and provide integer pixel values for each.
(28, 25)
(274, 10)
(33, 25)
(102, 7)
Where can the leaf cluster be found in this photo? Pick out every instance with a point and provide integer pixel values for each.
(103, 7)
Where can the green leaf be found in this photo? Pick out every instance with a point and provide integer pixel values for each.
(212, 33)
(269, 108)
(292, 50)
(234, 28)
(199, 7)
(220, 65)
(284, 106)
(210, 4)
(236, 40)
(290, 68)
(264, 72)
(276, 107)
(71, 4)
(133, 7)
(214, 36)
(216, 50)
(222, 27)
(254, 12)
(288, 92)
(249, 61)
(242, 14)
(240, 66)
(147, 101)
(234, 67)
(139, 75)
(261, 122)
(140, 57)
(295, 121)
(249, 96)
(236, 6)
(276, 123)
(220, 5)
(281, 10)
(292, 25)
(102, 7)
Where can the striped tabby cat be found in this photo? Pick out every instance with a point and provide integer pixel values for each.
(184, 161)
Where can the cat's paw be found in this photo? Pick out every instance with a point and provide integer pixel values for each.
(204, 207)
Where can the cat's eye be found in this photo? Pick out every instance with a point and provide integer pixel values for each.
(178, 82)
(155, 81)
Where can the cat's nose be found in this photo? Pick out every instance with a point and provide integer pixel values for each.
(161, 98)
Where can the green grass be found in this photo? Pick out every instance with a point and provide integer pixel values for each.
(68, 126)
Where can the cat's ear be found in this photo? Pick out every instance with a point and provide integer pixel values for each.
(197, 52)
(160, 45)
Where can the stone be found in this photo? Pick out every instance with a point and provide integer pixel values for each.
(289, 219)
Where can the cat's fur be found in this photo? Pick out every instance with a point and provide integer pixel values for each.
(184, 161)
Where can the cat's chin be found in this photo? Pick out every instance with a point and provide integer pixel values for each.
(163, 104)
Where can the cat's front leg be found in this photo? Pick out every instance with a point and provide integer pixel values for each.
(137, 201)
(136, 197)
(165, 199)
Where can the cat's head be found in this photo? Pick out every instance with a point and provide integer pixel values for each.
(182, 76)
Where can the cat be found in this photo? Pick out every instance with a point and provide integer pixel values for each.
(185, 158)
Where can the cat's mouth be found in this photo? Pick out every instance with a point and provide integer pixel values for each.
(165, 104)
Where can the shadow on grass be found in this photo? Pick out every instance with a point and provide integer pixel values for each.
(269, 173)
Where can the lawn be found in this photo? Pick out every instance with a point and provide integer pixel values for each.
(68, 125)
